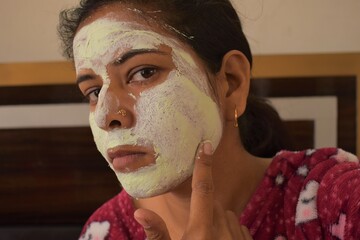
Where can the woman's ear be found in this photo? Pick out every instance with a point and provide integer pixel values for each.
(234, 78)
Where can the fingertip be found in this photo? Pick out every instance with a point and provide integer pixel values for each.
(154, 226)
(245, 231)
(208, 147)
(138, 213)
(140, 217)
(204, 153)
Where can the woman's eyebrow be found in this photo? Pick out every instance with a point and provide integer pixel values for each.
(132, 53)
(126, 56)
(83, 78)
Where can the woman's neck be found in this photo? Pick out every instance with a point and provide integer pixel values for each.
(236, 175)
(173, 207)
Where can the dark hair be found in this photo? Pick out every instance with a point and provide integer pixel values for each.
(262, 131)
(212, 28)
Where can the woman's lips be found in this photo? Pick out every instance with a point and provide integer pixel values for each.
(127, 159)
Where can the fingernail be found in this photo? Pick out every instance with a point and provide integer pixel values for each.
(208, 148)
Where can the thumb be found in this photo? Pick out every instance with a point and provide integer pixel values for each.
(154, 227)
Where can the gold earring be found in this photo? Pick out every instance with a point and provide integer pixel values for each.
(122, 112)
(236, 118)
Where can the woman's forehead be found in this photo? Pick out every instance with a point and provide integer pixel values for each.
(106, 35)
(118, 25)
(123, 13)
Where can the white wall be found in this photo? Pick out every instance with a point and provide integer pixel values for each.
(272, 26)
(301, 26)
(28, 29)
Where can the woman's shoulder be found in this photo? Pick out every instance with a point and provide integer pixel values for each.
(324, 183)
(312, 157)
(113, 220)
(290, 172)
(294, 170)
(309, 164)
(306, 193)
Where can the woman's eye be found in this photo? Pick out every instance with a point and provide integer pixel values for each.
(143, 74)
(93, 95)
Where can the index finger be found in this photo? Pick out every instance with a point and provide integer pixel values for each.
(202, 196)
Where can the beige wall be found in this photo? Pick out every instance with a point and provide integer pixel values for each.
(28, 30)
(272, 26)
(305, 26)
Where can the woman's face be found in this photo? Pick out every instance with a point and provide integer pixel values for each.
(124, 64)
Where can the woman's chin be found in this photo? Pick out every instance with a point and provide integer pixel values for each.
(148, 194)
(174, 186)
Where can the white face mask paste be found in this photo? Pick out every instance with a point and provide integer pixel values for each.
(172, 117)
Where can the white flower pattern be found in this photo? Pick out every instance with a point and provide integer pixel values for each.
(96, 231)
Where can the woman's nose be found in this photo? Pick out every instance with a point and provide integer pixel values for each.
(111, 112)
(118, 119)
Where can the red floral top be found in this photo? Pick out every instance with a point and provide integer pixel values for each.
(311, 194)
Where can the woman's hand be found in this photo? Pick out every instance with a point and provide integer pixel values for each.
(207, 220)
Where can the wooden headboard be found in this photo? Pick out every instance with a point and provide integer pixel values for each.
(51, 172)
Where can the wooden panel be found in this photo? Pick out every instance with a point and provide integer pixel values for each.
(310, 65)
(51, 176)
(43, 94)
(301, 134)
(344, 88)
(306, 65)
(42, 232)
(39, 73)
(265, 66)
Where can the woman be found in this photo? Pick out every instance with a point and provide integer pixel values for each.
(167, 81)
